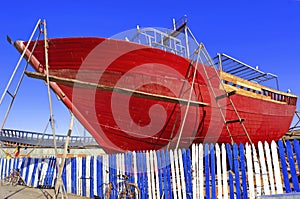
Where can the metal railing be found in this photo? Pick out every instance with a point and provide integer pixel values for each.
(41, 139)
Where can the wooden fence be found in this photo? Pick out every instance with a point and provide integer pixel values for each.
(203, 171)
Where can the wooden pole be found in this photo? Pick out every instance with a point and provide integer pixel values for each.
(59, 183)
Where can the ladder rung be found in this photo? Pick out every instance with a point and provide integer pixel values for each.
(225, 95)
(234, 121)
(10, 93)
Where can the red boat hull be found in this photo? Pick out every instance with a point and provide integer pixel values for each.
(121, 121)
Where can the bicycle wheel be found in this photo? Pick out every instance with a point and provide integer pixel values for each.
(107, 190)
(133, 191)
(15, 180)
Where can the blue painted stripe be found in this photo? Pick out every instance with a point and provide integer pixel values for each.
(168, 163)
(236, 170)
(243, 167)
(145, 176)
(284, 167)
(160, 172)
(22, 166)
(165, 171)
(207, 174)
(2, 168)
(189, 173)
(39, 172)
(64, 174)
(92, 177)
(297, 151)
(74, 175)
(293, 171)
(27, 170)
(36, 161)
(213, 171)
(230, 161)
(99, 176)
(83, 176)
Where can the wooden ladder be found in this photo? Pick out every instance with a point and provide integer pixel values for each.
(206, 60)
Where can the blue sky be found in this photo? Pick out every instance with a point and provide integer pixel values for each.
(264, 33)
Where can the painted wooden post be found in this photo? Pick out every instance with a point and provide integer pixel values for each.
(189, 174)
(212, 171)
(230, 161)
(177, 174)
(256, 171)
(270, 167)
(207, 175)
(284, 167)
(219, 176)
(277, 170)
(250, 171)
(194, 176)
(297, 151)
(236, 171)
(181, 174)
(263, 169)
(224, 170)
(293, 172)
(168, 164)
(201, 171)
(244, 175)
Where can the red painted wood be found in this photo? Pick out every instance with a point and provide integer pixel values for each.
(122, 122)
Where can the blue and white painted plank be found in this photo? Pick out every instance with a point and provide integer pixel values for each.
(293, 172)
(181, 175)
(148, 167)
(201, 171)
(212, 171)
(168, 166)
(230, 161)
(189, 174)
(277, 170)
(256, 172)
(68, 175)
(236, 170)
(219, 171)
(284, 167)
(172, 162)
(73, 175)
(244, 172)
(160, 172)
(92, 177)
(297, 151)
(224, 172)
(157, 177)
(263, 169)
(270, 167)
(250, 171)
(207, 173)
(177, 174)
(194, 175)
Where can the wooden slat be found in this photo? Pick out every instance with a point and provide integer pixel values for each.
(270, 167)
(277, 170)
(88, 85)
(251, 85)
(284, 167)
(263, 168)
(293, 172)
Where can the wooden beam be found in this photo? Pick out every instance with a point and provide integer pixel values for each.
(88, 85)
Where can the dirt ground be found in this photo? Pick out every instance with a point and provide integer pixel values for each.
(16, 192)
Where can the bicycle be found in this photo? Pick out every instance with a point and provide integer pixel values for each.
(123, 189)
(14, 178)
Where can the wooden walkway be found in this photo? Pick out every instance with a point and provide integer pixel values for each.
(203, 171)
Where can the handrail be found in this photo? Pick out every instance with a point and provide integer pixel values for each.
(12, 133)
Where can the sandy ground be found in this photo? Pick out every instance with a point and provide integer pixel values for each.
(16, 192)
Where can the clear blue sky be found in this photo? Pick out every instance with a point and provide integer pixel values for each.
(264, 33)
